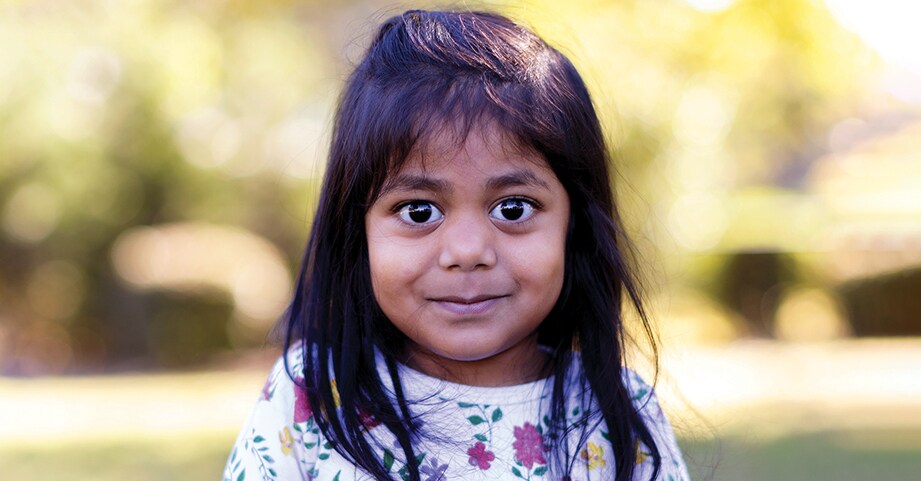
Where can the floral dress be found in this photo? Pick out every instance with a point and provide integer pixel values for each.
(469, 433)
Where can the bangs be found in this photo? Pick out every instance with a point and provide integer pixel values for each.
(434, 76)
(453, 112)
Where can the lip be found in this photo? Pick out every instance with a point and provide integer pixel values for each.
(466, 306)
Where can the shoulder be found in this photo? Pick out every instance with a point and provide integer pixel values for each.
(644, 398)
(280, 439)
(284, 386)
(646, 402)
(641, 392)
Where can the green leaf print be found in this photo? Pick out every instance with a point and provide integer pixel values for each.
(639, 394)
(485, 419)
(264, 459)
(540, 471)
(388, 459)
(517, 472)
(236, 465)
(497, 415)
(337, 476)
(404, 471)
(476, 420)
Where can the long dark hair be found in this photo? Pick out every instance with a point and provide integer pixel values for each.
(424, 70)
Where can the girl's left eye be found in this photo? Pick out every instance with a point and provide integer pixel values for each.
(513, 210)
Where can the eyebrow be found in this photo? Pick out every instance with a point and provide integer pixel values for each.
(519, 177)
(410, 182)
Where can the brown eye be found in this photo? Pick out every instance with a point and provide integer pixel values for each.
(419, 213)
(513, 210)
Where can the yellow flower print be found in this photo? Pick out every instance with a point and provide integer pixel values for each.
(641, 456)
(337, 402)
(287, 442)
(594, 454)
(335, 387)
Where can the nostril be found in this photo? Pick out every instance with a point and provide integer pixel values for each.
(467, 247)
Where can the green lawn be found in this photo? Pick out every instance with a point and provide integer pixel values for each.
(834, 455)
(855, 455)
(190, 457)
(850, 414)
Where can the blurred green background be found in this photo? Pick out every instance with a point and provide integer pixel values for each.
(160, 160)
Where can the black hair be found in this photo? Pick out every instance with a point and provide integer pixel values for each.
(424, 70)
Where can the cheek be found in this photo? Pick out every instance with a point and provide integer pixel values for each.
(553, 272)
(393, 272)
(540, 268)
(383, 271)
(390, 262)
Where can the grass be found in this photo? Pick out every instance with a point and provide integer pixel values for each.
(843, 411)
(850, 455)
(189, 457)
(847, 455)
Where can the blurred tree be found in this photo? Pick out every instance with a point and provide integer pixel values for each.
(712, 110)
(117, 115)
(134, 115)
(884, 305)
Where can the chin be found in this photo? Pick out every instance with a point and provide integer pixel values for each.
(465, 355)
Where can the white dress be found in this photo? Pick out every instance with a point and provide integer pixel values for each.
(469, 433)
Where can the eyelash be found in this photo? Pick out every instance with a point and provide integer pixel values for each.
(401, 210)
(529, 205)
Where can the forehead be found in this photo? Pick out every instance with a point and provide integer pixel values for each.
(484, 144)
(480, 159)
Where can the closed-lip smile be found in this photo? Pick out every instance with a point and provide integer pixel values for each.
(467, 305)
(466, 300)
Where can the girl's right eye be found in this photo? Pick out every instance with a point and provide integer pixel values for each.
(419, 213)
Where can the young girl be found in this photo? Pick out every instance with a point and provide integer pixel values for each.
(458, 314)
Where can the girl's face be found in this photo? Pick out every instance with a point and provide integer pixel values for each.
(466, 245)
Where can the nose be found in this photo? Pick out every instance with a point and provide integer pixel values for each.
(468, 243)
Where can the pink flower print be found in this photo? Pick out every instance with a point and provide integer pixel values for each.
(367, 420)
(529, 446)
(302, 411)
(267, 390)
(480, 457)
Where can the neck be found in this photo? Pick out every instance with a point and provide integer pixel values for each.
(503, 369)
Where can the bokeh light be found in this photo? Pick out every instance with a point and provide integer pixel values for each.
(160, 161)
